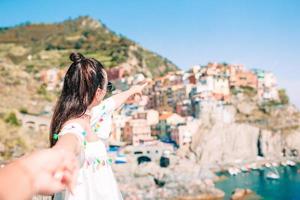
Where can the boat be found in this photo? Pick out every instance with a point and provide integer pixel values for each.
(254, 166)
(233, 171)
(244, 169)
(268, 165)
(291, 163)
(120, 159)
(273, 174)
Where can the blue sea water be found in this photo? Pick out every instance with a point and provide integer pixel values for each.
(285, 188)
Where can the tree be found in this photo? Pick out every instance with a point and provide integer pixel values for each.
(12, 119)
(78, 44)
(284, 99)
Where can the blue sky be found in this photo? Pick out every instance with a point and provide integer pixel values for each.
(257, 33)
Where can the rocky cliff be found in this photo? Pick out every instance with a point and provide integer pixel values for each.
(236, 133)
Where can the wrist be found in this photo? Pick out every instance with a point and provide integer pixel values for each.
(28, 175)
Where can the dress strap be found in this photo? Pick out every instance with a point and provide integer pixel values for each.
(75, 129)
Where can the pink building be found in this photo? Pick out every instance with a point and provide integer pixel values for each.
(118, 72)
(138, 129)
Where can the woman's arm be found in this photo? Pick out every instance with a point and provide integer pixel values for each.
(122, 97)
(68, 142)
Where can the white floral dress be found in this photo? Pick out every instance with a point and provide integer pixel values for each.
(96, 180)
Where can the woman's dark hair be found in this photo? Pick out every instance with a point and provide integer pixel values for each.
(81, 81)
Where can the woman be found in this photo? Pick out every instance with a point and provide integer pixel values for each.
(81, 124)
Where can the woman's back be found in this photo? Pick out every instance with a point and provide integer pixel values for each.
(95, 178)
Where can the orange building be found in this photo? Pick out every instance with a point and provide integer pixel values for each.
(240, 77)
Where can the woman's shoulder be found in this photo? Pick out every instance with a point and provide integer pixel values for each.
(74, 127)
(74, 124)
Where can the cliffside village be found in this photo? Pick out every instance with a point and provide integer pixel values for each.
(168, 113)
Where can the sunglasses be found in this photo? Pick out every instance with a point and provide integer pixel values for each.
(110, 87)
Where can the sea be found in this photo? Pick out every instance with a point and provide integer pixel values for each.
(287, 187)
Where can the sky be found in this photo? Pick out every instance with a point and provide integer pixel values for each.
(257, 33)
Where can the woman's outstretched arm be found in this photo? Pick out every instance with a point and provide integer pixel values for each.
(122, 97)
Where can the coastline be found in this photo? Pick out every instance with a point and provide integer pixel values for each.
(261, 186)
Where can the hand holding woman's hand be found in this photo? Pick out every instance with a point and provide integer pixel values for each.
(51, 170)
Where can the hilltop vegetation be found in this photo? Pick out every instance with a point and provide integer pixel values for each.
(53, 43)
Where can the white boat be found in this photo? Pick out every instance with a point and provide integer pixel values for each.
(120, 159)
(233, 171)
(273, 174)
(254, 166)
(244, 169)
(291, 163)
(268, 165)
